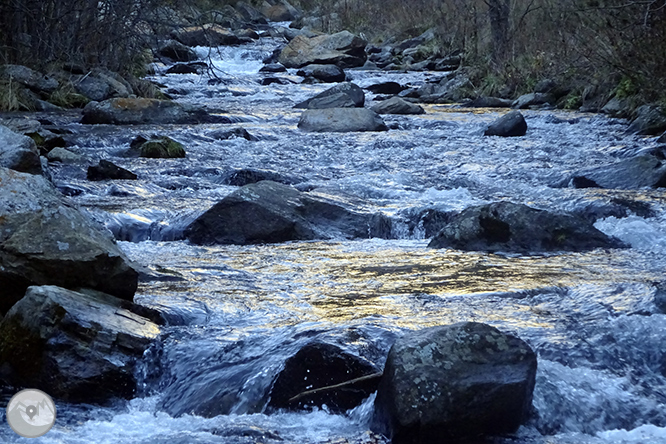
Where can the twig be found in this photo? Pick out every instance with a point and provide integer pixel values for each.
(336, 386)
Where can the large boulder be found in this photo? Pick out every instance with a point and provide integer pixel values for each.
(106, 170)
(397, 105)
(270, 212)
(344, 95)
(102, 84)
(510, 227)
(650, 120)
(645, 170)
(509, 125)
(343, 49)
(303, 381)
(454, 383)
(323, 73)
(206, 35)
(341, 120)
(533, 100)
(81, 347)
(18, 152)
(29, 78)
(177, 52)
(45, 241)
(137, 111)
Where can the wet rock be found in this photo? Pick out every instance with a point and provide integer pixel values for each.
(397, 105)
(188, 68)
(18, 152)
(281, 12)
(206, 35)
(650, 120)
(343, 49)
(646, 170)
(509, 125)
(616, 108)
(45, 241)
(64, 155)
(454, 383)
(533, 100)
(224, 134)
(248, 176)
(78, 347)
(276, 80)
(249, 13)
(35, 81)
(157, 147)
(320, 365)
(106, 170)
(510, 227)
(662, 139)
(489, 102)
(270, 212)
(177, 52)
(341, 120)
(273, 68)
(386, 88)
(102, 84)
(344, 95)
(137, 111)
(454, 87)
(323, 73)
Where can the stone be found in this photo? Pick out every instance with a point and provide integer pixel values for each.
(206, 35)
(246, 176)
(46, 241)
(177, 52)
(616, 108)
(75, 346)
(455, 383)
(397, 105)
(106, 170)
(533, 100)
(102, 84)
(137, 111)
(64, 155)
(344, 95)
(281, 12)
(386, 88)
(18, 152)
(323, 73)
(29, 78)
(645, 170)
(157, 148)
(511, 124)
(320, 365)
(341, 120)
(511, 227)
(273, 68)
(489, 102)
(187, 68)
(343, 49)
(226, 134)
(250, 13)
(650, 121)
(270, 212)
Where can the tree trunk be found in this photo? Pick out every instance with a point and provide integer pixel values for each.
(498, 13)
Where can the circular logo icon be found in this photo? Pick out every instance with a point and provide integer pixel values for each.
(31, 413)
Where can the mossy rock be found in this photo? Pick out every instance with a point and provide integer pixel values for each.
(162, 148)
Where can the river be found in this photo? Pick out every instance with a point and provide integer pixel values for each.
(590, 316)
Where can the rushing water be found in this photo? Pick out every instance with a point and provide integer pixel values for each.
(590, 316)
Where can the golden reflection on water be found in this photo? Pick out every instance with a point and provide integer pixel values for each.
(399, 283)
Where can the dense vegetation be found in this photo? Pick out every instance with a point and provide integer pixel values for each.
(619, 46)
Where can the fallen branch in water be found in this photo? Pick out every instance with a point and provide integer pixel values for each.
(336, 386)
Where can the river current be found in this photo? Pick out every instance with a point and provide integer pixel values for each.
(590, 316)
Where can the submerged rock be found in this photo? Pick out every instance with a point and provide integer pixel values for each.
(137, 111)
(343, 49)
(646, 170)
(45, 241)
(344, 95)
(321, 365)
(247, 176)
(225, 134)
(509, 125)
(78, 347)
(452, 383)
(323, 73)
(510, 227)
(397, 105)
(341, 120)
(386, 88)
(270, 212)
(106, 170)
(162, 147)
(18, 152)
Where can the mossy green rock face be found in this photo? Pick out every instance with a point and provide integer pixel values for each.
(454, 383)
(76, 346)
(162, 148)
